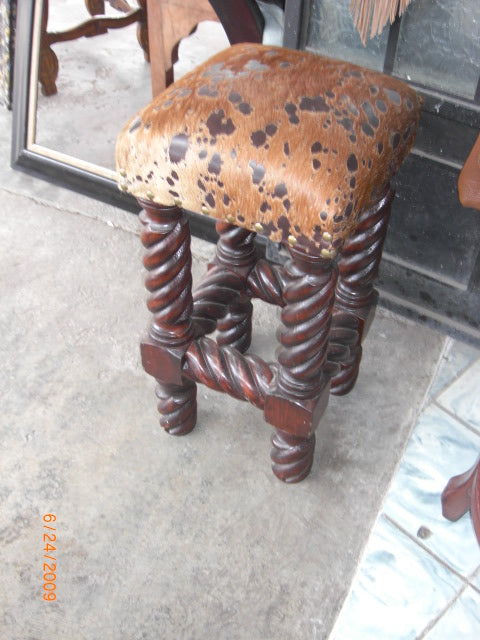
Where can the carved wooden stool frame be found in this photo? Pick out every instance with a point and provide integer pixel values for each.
(327, 307)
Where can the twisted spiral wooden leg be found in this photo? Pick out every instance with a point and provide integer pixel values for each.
(297, 401)
(292, 457)
(168, 260)
(235, 328)
(177, 407)
(221, 300)
(356, 297)
(267, 282)
(226, 369)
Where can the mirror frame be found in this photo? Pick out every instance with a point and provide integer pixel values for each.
(58, 168)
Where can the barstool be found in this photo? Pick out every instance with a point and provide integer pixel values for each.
(297, 147)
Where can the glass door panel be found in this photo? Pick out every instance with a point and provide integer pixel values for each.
(331, 33)
(439, 45)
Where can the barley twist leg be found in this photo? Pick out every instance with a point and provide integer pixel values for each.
(221, 300)
(295, 405)
(168, 260)
(356, 297)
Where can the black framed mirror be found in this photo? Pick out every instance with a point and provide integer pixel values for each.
(38, 159)
(33, 148)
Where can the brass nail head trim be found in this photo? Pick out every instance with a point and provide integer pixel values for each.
(292, 240)
(258, 227)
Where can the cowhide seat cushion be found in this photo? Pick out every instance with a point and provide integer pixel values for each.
(282, 142)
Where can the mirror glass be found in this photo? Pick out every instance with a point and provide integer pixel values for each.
(101, 82)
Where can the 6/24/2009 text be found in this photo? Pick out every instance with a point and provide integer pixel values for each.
(49, 568)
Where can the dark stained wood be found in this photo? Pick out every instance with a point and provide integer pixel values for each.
(267, 282)
(177, 405)
(324, 320)
(356, 298)
(297, 400)
(462, 494)
(226, 369)
(242, 20)
(292, 457)
(221, 301)
(168, 260)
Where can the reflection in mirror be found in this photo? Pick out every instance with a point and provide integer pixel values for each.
(101, 82)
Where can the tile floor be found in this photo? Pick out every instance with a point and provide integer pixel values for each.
(420, 574)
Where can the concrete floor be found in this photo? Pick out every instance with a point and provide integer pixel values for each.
(163, 537)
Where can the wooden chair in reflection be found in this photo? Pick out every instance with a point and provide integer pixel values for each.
(462, 492)
(98, 24)
(171, 20)
(161, 26)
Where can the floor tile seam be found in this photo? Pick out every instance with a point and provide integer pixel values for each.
(475, 574)
(460, 420)
(437, 619)
(424, 547)
(77, 212)
(474, 586)
(459, 373)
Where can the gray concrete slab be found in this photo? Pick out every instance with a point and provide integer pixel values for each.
(163, 537)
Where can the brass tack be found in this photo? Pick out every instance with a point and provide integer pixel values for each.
(205, 210)
(177, 201)
(327, 254)
(149, 195)
(258, 227)
(124, 187)
(292, 240)
(123, 173)
(231, 219)
(327, 236)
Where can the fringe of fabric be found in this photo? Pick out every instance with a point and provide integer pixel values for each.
(373, 15)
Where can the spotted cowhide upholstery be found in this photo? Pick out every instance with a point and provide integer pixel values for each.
(283, 142)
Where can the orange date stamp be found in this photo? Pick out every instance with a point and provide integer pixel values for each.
(49, 568)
